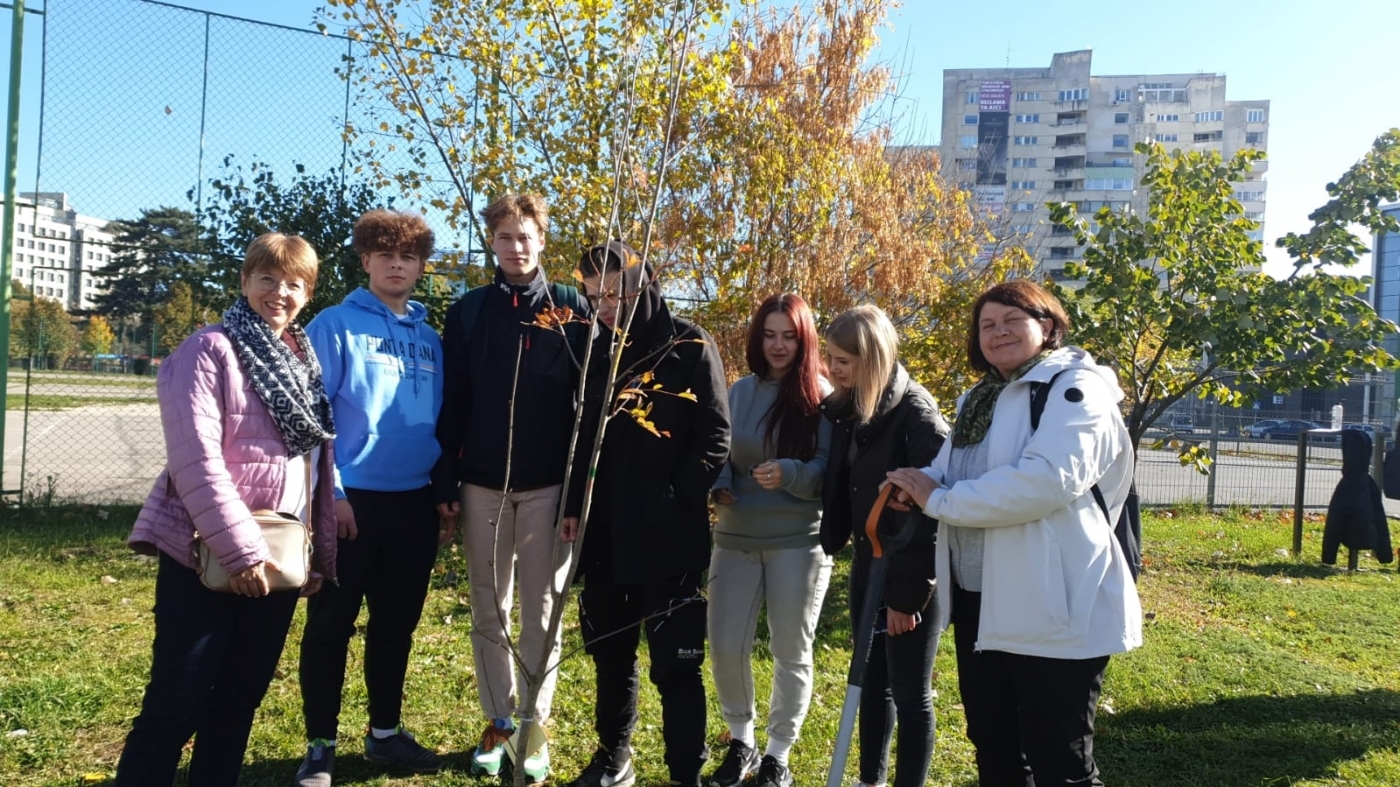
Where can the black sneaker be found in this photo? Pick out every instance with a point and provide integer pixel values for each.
(741, 761)
(602, 773)
(772, 773)
(319, 766)
(401, 752)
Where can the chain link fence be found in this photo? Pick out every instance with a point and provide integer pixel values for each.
(145, 105)
(142, 106)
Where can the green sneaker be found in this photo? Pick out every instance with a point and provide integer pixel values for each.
(489, 754)
(537, 765)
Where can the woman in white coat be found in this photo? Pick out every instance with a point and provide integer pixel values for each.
(1030, 574)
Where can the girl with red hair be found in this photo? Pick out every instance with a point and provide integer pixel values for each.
(767, 550)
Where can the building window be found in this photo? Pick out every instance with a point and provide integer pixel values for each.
(1026, 140)
(1022, 207)
(1120, 140)
(1108, 184)
(1121, 162)
(1028, 118)
(1164, 137)
(969, 120)
(1062, 252)
(1208, 136)
(1024, 185)
(1077, 94)
(1162, 94)
(1254, 215)
(1249, 196)
(1210, 117)
(1173, 118)
(1028, 96)
(1253, 137)
(1122, 95)
(1254, 116)
(974, 98)
(966, 164)
(1023, 162)
(967, 141)
(1120, 118)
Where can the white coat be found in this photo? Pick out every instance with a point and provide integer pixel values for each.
(1054, 579)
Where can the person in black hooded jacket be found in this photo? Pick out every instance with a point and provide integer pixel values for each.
(1356, 513)
(647, 540)
(883, 420)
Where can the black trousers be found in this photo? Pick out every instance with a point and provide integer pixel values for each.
(898, 689)
(387, 568)
(1030, 718)
(212, 661)
(672, 612)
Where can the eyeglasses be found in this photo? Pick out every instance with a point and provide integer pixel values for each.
(267, 283)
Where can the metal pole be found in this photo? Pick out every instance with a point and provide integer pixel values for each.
(7, 236)
(1298, 493)
(1214, 451)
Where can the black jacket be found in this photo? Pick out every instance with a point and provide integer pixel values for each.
(478, 374)
(649, 518)
(906, 431)
(1356, 513)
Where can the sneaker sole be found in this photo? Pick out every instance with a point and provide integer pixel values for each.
(717, 783)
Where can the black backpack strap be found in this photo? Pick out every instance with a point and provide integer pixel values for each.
(1040, 394)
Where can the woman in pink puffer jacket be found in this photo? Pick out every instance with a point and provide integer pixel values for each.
(244, 411)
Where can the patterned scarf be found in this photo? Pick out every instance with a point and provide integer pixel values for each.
(291, 388)
(975, 418)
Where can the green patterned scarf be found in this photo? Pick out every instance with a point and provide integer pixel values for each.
(975, 418)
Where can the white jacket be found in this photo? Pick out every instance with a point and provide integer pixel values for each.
(1054, 579)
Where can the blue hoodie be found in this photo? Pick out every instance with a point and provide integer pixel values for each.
(383, 375)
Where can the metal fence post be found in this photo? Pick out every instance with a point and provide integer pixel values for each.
(1214, 450)
(1298, 493)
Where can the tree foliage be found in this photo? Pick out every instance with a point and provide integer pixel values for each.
(248, 202)
(150, 253)
(179, 316)
(40, 327)
(98, 337)
(742, 158)
(1177, 302)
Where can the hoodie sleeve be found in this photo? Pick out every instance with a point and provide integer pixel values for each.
(329, 344)
(1075, 445)
(708, 448)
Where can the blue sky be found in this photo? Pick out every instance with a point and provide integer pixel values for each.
(1324, 67)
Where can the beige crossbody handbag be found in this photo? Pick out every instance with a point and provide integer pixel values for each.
(288, 542)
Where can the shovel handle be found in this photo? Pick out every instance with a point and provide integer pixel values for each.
(872, 520)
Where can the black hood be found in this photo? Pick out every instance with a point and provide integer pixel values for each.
(1356, 452)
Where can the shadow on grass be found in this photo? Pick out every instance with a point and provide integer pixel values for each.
(1289, 568)
(1247, 740)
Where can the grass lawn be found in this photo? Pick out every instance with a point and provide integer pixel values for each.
(1257, 669)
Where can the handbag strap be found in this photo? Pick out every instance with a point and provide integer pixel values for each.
(310, 493)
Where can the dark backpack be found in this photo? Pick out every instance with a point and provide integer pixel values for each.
(1390, 474)
(1129, 526)
(562, 295)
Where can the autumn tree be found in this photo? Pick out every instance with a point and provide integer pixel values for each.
(805, 192)
(98, 336)
(179, 316)
(1176, 299)
(40, 329)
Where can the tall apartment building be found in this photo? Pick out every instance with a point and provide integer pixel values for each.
(1024, 137)
(1385, 297)
(57, 249)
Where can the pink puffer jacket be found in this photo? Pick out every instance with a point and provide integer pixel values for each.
(224, 458)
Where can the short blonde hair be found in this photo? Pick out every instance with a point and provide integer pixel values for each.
(287, 255)
(519, 207)
(867, 334)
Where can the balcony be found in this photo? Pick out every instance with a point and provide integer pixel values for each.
(1070, 141)
(1072, 184)
(1068, 165)
(1069, 119)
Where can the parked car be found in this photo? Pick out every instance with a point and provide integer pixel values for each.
(1182, 423)
(1290, 429)
(1257, 429)
(1376, 431)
